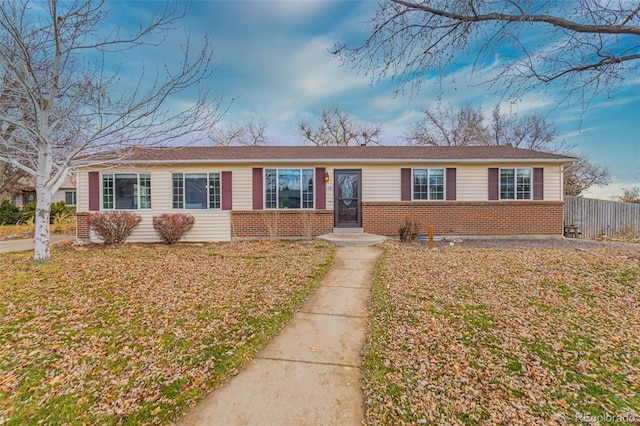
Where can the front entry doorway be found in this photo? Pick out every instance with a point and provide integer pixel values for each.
(348, 189)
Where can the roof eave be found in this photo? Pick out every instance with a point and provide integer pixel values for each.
(353, 160)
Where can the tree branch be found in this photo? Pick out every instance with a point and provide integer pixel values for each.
(524, 17)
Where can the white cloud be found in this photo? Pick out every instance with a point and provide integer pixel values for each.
(275, 55)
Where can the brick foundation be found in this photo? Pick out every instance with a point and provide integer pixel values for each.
(82, 226)
(280, 223)
(497, 218)
(478, 218)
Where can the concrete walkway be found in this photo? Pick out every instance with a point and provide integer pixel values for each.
(310, 373)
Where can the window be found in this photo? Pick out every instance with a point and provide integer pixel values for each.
(70, 198)
(126, 191)
(515, 184)
(196, 191)
(428, 184)
(289, 188)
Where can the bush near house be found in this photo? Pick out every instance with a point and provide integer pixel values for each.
(114, 226)
(9, 214)
(58, 210)
(409, 231)
(172, 227)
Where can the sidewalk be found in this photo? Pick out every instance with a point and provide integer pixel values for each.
(26, 244)
(310, 373)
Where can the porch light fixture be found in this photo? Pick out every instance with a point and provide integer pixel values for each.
(326, 176)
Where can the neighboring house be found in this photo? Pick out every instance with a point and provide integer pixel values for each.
(293, 191)
(66, 193)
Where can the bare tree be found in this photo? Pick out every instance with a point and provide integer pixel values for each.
(585, 46)
(61, 104)
(524, 131)
(630, 195)
(443, 125)
(582, 175)
(251, 132)
(13, 180)
(338, 128)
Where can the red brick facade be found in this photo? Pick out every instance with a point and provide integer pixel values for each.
(491, 218)
(466, 217)
(280, 223)
(82, 226)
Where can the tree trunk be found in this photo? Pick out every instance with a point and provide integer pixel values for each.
(42, 235)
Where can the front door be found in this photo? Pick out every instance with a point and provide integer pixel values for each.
(347, 198)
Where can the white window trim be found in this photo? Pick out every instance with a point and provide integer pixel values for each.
(208, 189)
(264, 187)
(113, 175)
(515, 171)
(444, 183)
(75, 197)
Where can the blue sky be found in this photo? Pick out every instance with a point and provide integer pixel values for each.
(274, 61)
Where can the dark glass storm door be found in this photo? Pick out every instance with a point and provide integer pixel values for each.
(347, 211)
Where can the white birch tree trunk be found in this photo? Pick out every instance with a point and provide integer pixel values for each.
(42, 237)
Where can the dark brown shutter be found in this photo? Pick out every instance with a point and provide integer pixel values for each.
(321, 189)
(493, 183)
(227, 203)
(538, 183)
(451, 183)
(94, 191)
(257, 188)
(405, 184)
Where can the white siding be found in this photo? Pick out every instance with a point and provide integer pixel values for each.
(242, 189)
(553, 183)
(472, 183)
(380, 182)
(82, 200)
(210, 225)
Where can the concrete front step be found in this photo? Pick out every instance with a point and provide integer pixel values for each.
(348, 230)
(353, 240)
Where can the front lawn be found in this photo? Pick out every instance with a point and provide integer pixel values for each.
(490, 336)
(136, 334)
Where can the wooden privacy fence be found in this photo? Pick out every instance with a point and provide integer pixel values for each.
(595, 218)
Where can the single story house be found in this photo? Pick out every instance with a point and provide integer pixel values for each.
(27, 193)
(296, 191)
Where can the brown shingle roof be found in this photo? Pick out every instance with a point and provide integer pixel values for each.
(339, 153)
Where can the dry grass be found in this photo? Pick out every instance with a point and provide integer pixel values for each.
(504, 336)
(62, 225)
(136, 334)
(19, 229)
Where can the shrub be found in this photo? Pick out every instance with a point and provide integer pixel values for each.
(114, 226)
(9, 214)
(409, 231)
(172, 227)
(64, 224)
(58, 209)
(29, 213)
